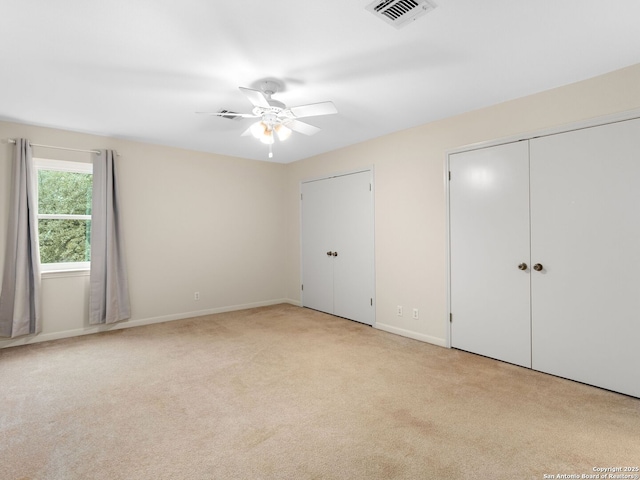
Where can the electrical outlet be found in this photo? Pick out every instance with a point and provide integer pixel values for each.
(415, 314)
(399, 310)
(196, 295)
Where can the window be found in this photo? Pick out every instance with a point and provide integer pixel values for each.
(64, 214)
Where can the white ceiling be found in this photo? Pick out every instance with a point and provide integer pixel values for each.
(139, 69)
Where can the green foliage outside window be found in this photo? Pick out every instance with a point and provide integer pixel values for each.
(64, 193)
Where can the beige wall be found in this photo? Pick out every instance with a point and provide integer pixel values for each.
(229, 228)
(410, 231)
(192, 222)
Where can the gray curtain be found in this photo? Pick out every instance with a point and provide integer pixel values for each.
(20, 297)
(109, 290)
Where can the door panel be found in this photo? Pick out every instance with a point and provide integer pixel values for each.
(353, 241)
(317, 240)
(585, 227)
(489, 221)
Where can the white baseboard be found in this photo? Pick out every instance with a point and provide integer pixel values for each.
(45, 337)
(441, 342)
(295, 303)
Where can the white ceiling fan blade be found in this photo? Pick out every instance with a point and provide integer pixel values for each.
(248, 132)
(302, 127)
(229, 114)
(314, 109)
(256, 97)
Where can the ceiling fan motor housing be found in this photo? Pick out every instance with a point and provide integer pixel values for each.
(270, 119)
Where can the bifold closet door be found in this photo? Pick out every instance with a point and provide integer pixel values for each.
(585, 227)
(489, 248)
(338, 246)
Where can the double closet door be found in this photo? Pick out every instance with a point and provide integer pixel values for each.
(545, 254)
(337, 246)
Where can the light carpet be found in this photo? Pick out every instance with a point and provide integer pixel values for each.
(284, 392)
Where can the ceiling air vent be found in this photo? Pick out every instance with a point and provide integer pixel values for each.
(400, 13)
(228, 114)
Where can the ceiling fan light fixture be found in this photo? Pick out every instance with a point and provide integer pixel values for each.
(258, 130)
(267, 137)
(283, 132)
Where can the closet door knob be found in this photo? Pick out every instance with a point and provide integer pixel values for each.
(522, 266)
(335, 254)
(329, 254)
(537, 267)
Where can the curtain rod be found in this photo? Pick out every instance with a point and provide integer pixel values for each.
(97, 152)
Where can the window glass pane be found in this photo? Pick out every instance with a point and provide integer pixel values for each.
(64, 240)
(64, 192)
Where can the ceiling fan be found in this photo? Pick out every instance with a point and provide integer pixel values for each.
(276, 119)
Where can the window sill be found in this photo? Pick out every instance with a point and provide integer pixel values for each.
(84, 272)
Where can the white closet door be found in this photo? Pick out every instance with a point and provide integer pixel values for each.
(585, 225)
(317, 241)
(353, 242)
(337, 218)
(489, 221)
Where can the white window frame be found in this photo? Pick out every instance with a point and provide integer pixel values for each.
(62, 166)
